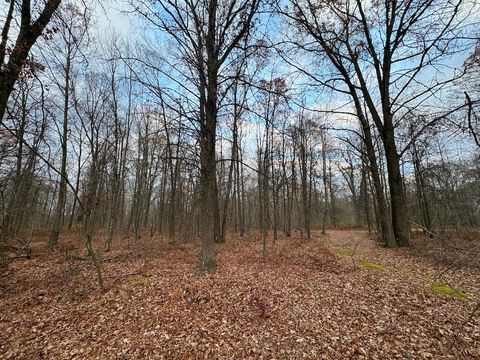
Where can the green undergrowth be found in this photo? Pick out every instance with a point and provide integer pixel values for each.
(349, 251)
(445, 289)
(371, 266)
(345, 251)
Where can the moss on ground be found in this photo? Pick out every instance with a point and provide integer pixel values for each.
(345, 251)
(372, 266)
(445, 289)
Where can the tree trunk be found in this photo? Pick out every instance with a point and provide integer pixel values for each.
(381, 208)
(400, 225)
(383, 217)
(28, 34)
(62, 192)
(207, 192)
(421, 193)
(208, 169)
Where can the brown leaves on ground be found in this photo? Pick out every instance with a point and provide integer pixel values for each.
(303, 301)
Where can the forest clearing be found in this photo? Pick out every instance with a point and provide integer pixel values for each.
(306, 300)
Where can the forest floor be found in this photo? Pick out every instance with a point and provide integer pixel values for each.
(339, 296)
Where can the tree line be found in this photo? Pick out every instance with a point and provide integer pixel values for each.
(239, 115)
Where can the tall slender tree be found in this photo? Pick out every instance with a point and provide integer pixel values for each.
(206, 34)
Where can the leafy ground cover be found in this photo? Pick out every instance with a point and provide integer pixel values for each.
(338, 296)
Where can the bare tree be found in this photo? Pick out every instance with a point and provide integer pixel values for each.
(71, 24)
(13, 60)
(206, 33)
(397, 41)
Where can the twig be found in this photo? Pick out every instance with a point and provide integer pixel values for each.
(462, 325)
(456, 262)
(353, 252)
(423, 228)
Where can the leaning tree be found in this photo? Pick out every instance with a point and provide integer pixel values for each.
(19, 24)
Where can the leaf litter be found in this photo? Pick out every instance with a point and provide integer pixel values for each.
(302, 302)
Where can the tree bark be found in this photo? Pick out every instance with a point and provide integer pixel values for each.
(400, 225)
(26, 38)
(62, 192)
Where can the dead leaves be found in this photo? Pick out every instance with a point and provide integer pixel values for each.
(302, 302)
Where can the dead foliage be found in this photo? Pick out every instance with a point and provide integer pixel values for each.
(302, 301)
